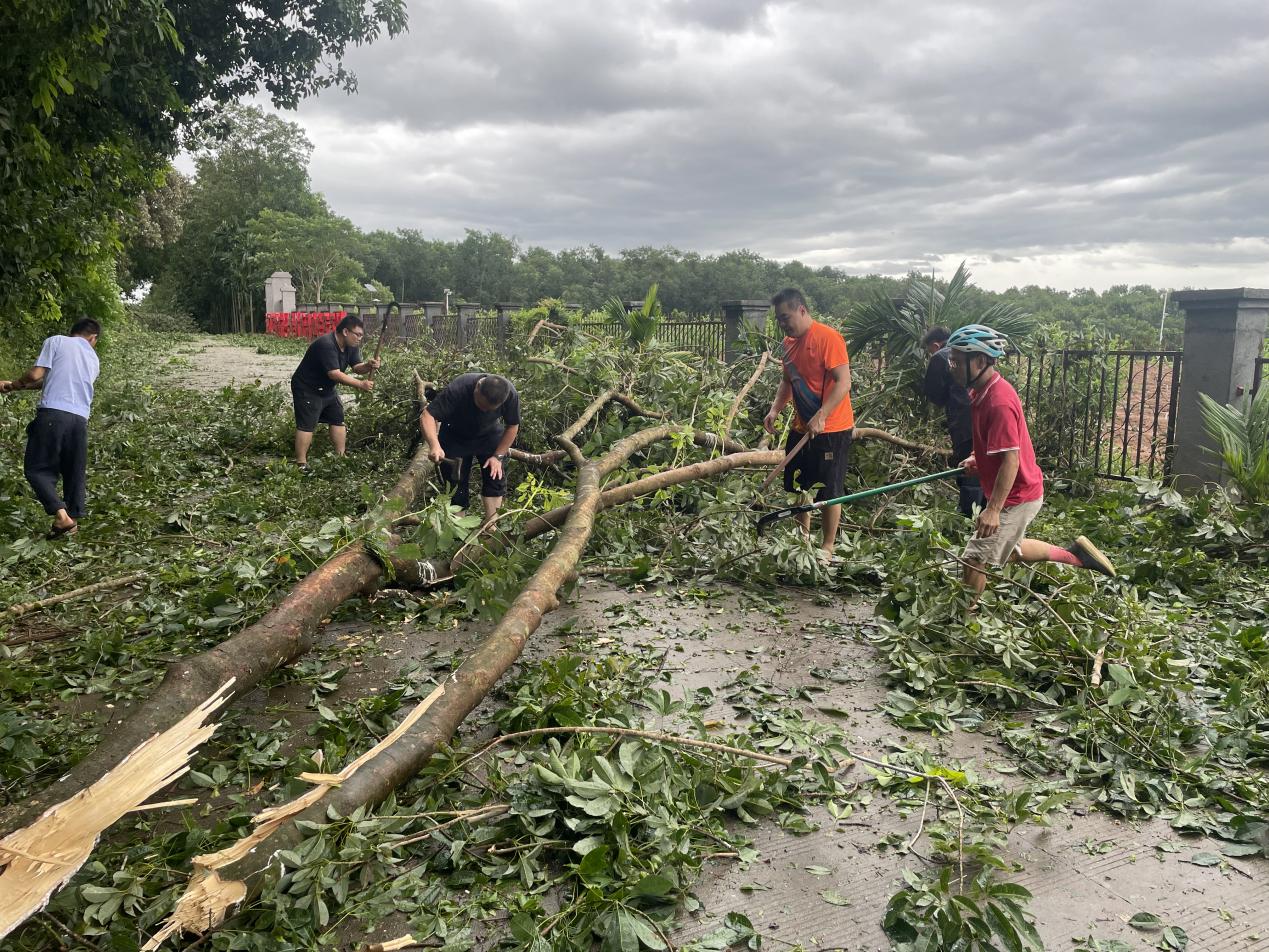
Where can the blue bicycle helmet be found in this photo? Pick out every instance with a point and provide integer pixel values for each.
(979, 339)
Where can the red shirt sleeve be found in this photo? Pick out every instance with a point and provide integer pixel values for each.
(1004, 432)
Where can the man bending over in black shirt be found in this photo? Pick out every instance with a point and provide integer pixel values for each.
(465, 422)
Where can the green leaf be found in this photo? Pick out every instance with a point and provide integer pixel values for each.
(1204, 859)
(1146, 922)
(655, 885)
(98, 893)
(834, 898)
(1241, 849)
(1120, 695)
(1176, 938)
(1121, 675)
(621, 935)
(646, 934)
(588, 844)
(593, 868)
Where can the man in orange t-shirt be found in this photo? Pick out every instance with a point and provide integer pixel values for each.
(817, 382)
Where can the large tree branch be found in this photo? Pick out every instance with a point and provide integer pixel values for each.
(744, 392)
(222, 880)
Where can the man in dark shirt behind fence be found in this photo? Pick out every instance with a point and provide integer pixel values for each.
(313, 384)
(466, 421)
(943, 391)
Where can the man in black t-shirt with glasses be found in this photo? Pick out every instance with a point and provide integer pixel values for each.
(466, 422)
(313, 384)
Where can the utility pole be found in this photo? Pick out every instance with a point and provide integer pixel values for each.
(1164, 315)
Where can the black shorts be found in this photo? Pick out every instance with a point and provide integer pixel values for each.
(459, 458)
(822, 461)
(312, 408)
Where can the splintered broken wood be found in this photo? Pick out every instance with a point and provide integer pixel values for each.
(208, 898)
(37, 860)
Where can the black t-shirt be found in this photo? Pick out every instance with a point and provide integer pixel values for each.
(323, 356)
(455, 408)
(942, 390)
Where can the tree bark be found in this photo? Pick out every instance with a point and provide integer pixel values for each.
(285, 633)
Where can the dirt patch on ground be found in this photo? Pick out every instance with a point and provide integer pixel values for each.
(207, 364)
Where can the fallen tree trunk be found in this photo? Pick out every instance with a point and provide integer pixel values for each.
(285, 633)
(221, 881)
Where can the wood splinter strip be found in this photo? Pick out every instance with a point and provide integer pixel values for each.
(208, 898)
(40, 858)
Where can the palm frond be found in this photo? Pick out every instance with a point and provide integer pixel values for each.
(614, 310)
(1010, 319)
(956, 288)
(1243, 435)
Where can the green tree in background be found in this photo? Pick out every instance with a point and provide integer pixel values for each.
(148, 234)
(260, 164)
(95, 97)
(483, 267)
(320, 250)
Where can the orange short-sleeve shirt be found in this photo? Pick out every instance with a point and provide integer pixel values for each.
(813, 355)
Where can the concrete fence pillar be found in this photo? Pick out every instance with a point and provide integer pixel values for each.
(279, 293)
(505, 310)
(466, 313)
(1224, 334)
(740, 320)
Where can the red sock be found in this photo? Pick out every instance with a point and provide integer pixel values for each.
(1058, 554)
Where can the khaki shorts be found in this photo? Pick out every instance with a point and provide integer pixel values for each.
(996, 549)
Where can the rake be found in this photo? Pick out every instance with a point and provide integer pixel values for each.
(853, 497)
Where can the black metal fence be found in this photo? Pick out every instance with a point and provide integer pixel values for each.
(1258, 376)
(706, 338)
(1113, 412)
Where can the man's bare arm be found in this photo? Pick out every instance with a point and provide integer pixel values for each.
(33, 379)
(340, 377)
(431, 431)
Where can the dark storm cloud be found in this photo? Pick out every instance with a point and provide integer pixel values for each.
(1024, 136)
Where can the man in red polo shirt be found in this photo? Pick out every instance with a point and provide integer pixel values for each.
(817, 382)
(1005, 462)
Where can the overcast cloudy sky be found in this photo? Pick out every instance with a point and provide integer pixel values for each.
(1080, 143)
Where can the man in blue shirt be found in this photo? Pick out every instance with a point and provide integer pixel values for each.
(57, 439)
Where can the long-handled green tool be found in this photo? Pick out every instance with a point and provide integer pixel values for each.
(853, 497)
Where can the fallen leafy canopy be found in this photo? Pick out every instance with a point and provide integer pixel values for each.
(1181, 588)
